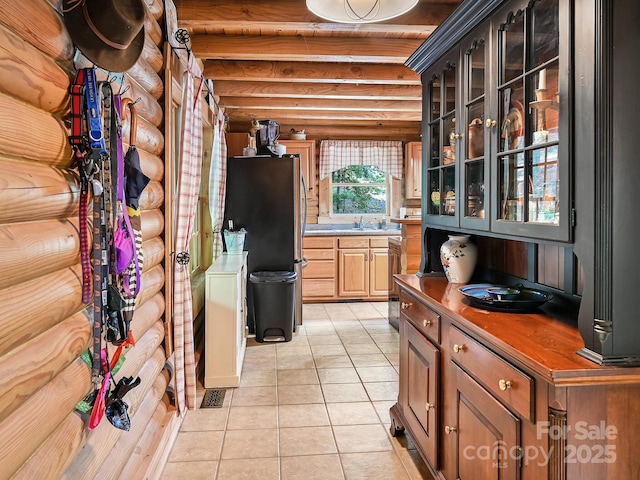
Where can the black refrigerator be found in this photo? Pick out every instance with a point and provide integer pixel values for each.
(265, 195)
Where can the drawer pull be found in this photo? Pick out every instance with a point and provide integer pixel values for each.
(426, 323)
(428, 406)
(459, 348)
(504, 384)
(405, 305)
(449, 429)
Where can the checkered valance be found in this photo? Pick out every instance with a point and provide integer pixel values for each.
(337, 154)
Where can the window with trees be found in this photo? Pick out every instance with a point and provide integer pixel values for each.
(359, 190)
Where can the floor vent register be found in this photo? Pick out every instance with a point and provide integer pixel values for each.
(213, 398)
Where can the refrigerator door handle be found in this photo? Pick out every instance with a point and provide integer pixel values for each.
(304, 261)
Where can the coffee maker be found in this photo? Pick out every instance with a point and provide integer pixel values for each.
(267, 134)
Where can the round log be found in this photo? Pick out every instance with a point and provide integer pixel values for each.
(31, 191)
(152, 54)
(28, 368)
(147, 78)
(152, 197)
(152, 224)
(145, 448)
(39, 416)
(30, 250)
(56, 452)
(99, 443)
(156, 8)
(32, 307)
(153, 253)
(152, 282)
(49, 33)
(127, 444)
(153, 30)
(147, 314)
(148, 137)
(30, 75)
(152, 165)
(28, 132)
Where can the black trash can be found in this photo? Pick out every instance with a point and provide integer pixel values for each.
(274, 297)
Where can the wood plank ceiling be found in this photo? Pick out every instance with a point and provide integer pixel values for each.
(276, 60)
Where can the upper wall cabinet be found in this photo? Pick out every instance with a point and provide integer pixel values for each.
(496, 104)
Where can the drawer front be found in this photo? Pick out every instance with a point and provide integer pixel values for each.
(379, 242)
(320, 269)
(320, 254)
(503, 380)
(422, 317)
(353, 242)
(318, 242)
(318, 287)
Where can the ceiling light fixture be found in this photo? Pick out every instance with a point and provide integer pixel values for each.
(359, 11)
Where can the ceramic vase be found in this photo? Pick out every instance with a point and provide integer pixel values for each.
(458, 256)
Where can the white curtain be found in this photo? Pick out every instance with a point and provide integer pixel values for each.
(385, 154)
(217, 182)
(189, 173)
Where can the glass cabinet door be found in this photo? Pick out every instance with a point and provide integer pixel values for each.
(444, 139)
(477, 143)
(530, 164)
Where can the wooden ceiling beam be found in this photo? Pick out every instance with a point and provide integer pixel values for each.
(335, 115)
(346, 130)
(318, 72)
(304, 49)
(204, 15)
(326, 91)
(320, 104)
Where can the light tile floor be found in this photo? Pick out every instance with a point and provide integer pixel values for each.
(315, 408)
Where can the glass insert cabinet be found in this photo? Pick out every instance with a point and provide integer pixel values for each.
(496, 123)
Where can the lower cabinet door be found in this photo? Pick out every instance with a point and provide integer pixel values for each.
(485, 437)
(419, 368)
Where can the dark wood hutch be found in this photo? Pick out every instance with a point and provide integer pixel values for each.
(528, 130)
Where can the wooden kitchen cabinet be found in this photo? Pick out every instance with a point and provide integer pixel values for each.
(363, 267)
(413, 170)
(484, 399)
(225, 320)
(482, 423)
(307, 151)
(418, 396)
(497, 132)
(320, 275)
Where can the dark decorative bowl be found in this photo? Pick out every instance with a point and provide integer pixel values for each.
(503, 293)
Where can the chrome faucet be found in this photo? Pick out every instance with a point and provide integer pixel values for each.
(360, 223)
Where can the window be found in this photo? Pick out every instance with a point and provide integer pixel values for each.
(361, 190)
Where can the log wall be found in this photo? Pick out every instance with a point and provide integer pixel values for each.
(43, 324)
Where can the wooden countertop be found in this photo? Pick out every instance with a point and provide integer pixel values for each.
(351, 232)
(406, 221)
(545, 340)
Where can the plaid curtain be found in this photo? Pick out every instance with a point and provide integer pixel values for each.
(336, 154)
(190, 166)
(217, 183)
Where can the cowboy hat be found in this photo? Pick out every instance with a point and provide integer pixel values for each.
(110, 33)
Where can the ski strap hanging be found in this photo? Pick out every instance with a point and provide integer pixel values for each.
(79, 141)
(98, 154)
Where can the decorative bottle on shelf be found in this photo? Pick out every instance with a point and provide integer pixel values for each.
(458, 256)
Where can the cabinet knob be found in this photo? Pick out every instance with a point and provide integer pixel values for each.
(405, 305)
(490, 123)
(459, 348)
(428, 406)
(504, 384)
(449, 429)
(426, 323)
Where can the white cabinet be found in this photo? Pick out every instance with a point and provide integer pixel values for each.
(225, 320)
